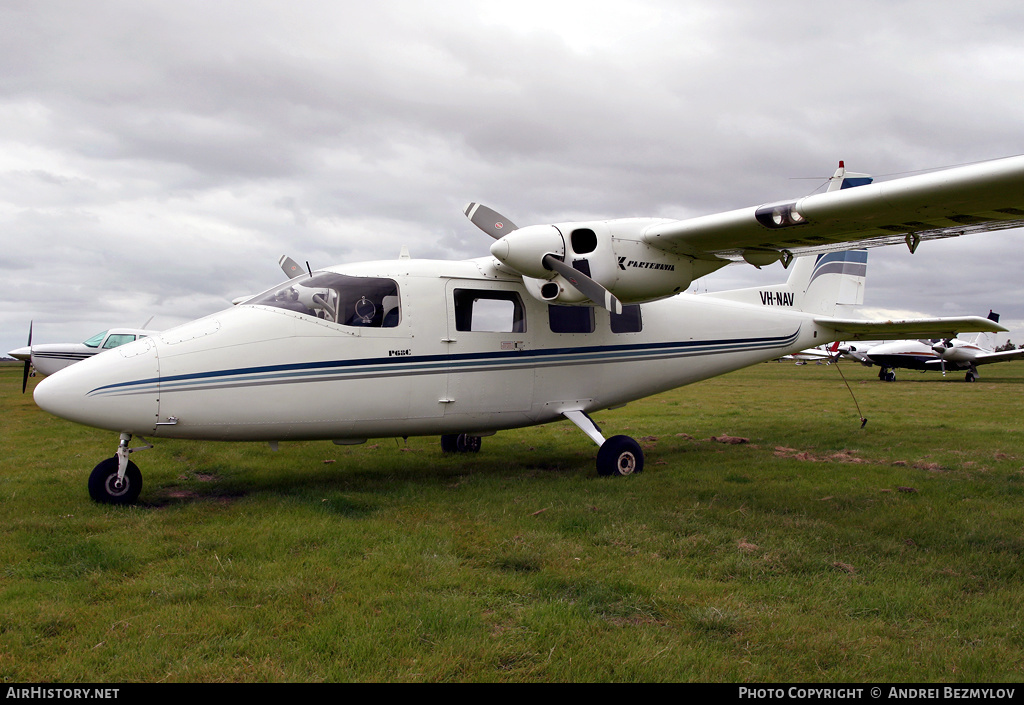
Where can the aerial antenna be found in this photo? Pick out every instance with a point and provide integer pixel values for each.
(308, 269)
(863, 419)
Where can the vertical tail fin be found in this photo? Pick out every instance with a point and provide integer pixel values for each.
(816, 284)
(830, 280)
(985, 340)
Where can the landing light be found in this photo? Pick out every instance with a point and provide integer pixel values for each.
(779, 216)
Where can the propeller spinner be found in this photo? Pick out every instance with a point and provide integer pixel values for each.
(536, 251)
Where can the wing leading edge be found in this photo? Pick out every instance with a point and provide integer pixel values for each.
(979, 197)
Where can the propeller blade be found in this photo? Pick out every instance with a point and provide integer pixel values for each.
(489, 220)
(28, 362)
(584, 284)
(290, 266)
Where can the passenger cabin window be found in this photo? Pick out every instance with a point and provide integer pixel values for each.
(367, 302)
(489, 311)
(628, 321)
(571, 319)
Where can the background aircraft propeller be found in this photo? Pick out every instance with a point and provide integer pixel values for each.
(497, 226)
(290, 266)
(28, 362)
(941, 349)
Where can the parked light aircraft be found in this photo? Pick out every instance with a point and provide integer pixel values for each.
(51, 357)
(47, 358)
(562, 321)
(939, 355)
(820, 354)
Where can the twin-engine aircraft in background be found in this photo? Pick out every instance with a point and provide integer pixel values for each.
(937, 355)
(562, 321)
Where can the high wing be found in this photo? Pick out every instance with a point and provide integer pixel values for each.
(980, 197)
(855, 329)
(634, 260)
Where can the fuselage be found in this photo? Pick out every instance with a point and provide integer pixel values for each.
(410, 347)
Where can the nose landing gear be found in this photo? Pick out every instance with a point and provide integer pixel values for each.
(117, 480)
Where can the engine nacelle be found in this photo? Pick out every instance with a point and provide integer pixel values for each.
(951, 352)
(611, 253)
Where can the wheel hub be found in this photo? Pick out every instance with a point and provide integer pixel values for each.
(117, 486)
(627, 463)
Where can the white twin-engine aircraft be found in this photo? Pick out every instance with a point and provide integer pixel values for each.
(464, 349)
(947, 354)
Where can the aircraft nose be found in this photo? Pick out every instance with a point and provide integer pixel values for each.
(21, 353)
(116, 390)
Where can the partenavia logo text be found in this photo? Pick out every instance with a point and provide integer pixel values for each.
(645, 265)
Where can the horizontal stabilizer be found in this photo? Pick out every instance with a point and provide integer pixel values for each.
(857, 329)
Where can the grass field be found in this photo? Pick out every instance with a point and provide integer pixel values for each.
(816, 551)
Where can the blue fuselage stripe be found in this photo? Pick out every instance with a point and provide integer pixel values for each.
(435, 364)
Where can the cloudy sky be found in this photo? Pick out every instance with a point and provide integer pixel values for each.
(157, 158)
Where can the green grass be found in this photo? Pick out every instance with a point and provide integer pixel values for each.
(816, 551)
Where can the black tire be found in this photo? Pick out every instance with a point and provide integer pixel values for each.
(970, 377)
(103, 483)
(460, 443)
(620, 455)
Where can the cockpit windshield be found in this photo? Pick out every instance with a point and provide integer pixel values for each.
(338, 298)
(94, 342)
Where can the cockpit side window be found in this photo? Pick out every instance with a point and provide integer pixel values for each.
(369, 302)
(115, 340)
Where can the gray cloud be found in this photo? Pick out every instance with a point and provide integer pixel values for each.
(156, 159)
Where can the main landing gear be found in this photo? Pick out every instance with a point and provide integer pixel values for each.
(460, 443)
(117, 480)
(618, 455)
